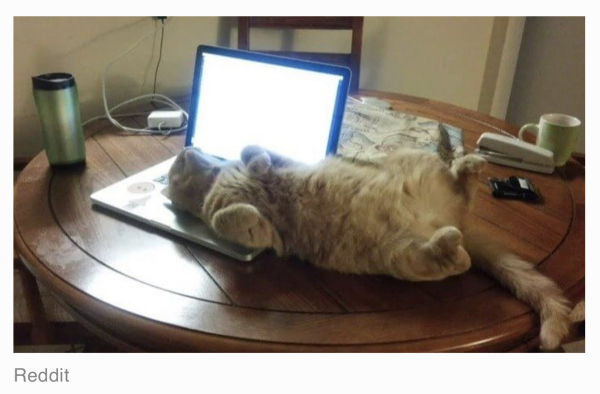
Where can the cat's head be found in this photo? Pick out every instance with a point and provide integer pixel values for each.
(190, 179)
(194, 173)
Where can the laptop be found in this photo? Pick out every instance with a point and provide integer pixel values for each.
(240, 98)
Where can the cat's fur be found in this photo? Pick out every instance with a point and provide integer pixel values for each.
(407, 217)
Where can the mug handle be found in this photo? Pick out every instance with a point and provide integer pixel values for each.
(529, 128)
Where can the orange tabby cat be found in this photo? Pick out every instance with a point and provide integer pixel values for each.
(407, 217)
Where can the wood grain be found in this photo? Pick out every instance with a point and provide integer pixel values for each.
(155, 259)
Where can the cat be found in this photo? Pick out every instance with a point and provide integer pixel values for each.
(407, 216)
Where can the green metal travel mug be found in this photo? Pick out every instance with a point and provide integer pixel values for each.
(57, 102)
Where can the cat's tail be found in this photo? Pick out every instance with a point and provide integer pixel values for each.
(445, 146)
(529, 285)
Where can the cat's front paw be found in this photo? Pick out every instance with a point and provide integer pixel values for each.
(256, 159)
(250, 152)
(243, 223)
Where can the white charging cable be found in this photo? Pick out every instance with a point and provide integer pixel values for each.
(157, 98)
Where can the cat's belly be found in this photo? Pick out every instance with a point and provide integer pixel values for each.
(356, 222)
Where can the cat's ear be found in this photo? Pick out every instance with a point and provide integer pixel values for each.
(256, 159)
(244, 224)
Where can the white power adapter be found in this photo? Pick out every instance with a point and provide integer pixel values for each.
(165, 119)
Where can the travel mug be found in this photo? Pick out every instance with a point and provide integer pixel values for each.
(57, 102)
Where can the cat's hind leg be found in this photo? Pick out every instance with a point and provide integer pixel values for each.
(439, 257)
(468, 165)
(465, 171)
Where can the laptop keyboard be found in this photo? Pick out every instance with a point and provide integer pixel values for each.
(163, 179)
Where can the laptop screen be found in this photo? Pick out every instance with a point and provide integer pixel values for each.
(243, 101)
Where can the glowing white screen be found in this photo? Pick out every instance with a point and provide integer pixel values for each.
(244, 102)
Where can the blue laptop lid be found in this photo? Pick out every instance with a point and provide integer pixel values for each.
(290, 106)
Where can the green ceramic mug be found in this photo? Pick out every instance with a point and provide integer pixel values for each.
(557, 133)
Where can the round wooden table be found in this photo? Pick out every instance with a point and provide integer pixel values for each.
(142, 289)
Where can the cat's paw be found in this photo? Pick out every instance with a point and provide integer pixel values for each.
(256, 159)
(553, 331)
(250, 152)
(446, 244)
(448, 237)
(243, 223)
(469, 164)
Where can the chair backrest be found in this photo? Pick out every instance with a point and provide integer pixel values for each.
(351, 60)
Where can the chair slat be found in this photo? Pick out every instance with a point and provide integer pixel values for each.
(332, 58)
(325, 23)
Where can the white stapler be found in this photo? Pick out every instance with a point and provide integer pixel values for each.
(513, 152)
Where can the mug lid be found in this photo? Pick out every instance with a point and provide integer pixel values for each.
(53, 81)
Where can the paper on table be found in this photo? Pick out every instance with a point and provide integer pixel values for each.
(370, 133)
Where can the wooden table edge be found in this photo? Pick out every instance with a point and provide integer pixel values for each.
(189, 340)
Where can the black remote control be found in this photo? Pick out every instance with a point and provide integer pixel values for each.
(515, 188)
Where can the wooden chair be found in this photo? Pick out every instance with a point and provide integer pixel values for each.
(40, 332)
(351, 60)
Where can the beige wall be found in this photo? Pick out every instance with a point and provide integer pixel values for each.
(447, 59)
(550, 73)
